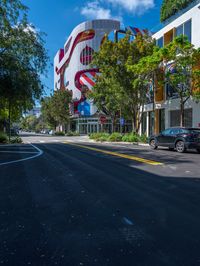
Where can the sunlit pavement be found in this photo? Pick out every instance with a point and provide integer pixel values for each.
(65, 202)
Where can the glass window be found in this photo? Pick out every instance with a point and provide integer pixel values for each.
(166, 132)
(151, 123)
(174, 131)
(188, 30)
(162, 119)
(144, 123)
(159, 42)
(175, 118)
(179, 30)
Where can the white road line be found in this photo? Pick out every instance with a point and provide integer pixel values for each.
(127, 221)
(41, 141)
(18, 151)
(39, 153)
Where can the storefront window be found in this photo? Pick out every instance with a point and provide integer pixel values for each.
(175, 118)
(162, 119)
(151, 122)
(144, 123)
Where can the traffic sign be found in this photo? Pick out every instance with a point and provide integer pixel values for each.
(102, 119)
(122, 121)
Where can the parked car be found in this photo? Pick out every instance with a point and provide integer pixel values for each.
(179, 138)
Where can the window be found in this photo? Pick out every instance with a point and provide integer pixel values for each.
(185, 29)
(179, 30)
(159, 42)
(162, 119)
(175, 118)
(188, 29)
(166, 132)
(144, 123)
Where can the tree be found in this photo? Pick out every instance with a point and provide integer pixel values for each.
(185, 59)
(118, 91)
(23, 59)
(55, 109)
(185, 79)
(171, 7)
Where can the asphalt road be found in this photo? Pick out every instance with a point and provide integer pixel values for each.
(63, 203)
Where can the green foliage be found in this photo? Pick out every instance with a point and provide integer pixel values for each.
(171, 7)
(55, 109)
(60, 133)
(3, 138)
(118, 90)
(143, 138)
(131, 137)
(99, 136)
(115, 137)
(16, 139)
(186, 79)
(72, 133)
(23, 59)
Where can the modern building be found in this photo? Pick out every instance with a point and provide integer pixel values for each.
(72, 71)
(165, 111)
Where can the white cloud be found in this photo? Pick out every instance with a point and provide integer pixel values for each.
(134, 5)
(94, 10)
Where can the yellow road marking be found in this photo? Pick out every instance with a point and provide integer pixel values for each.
(126, 156)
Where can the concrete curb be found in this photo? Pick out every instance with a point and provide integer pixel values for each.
(120, 142)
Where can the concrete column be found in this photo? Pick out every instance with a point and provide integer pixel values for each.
(147, 124)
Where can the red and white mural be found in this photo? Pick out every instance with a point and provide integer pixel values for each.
(72, 70)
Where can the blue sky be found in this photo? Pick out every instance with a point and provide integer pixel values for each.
(58, 18)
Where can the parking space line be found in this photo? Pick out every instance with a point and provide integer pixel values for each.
(38, 153)
(18, 152)
(126, 156)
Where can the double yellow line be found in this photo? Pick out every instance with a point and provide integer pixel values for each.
(121, 155)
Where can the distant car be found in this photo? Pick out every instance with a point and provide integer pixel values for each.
(180, 139)
(51, 132)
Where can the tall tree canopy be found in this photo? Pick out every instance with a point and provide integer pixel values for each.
(118, 91)
(55, 109)
(23, 59)
(171, 7)
(184, 80)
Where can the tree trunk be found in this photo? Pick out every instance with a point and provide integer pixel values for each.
(133, 124)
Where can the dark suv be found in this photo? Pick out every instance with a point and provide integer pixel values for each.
(180, 139)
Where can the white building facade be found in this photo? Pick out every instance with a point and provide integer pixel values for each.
(165, 111)
(72, 70)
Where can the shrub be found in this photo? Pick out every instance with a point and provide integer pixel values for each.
(104, 137)
(72, 133)
(130, 137)
(3, 138)
(99, 136)
(115, 137)
(171, 7)
(16, 139)
(143, 138)
(60, 133)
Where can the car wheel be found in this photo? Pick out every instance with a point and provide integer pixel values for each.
(180, 146)
(153, 144)
(198, 150)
